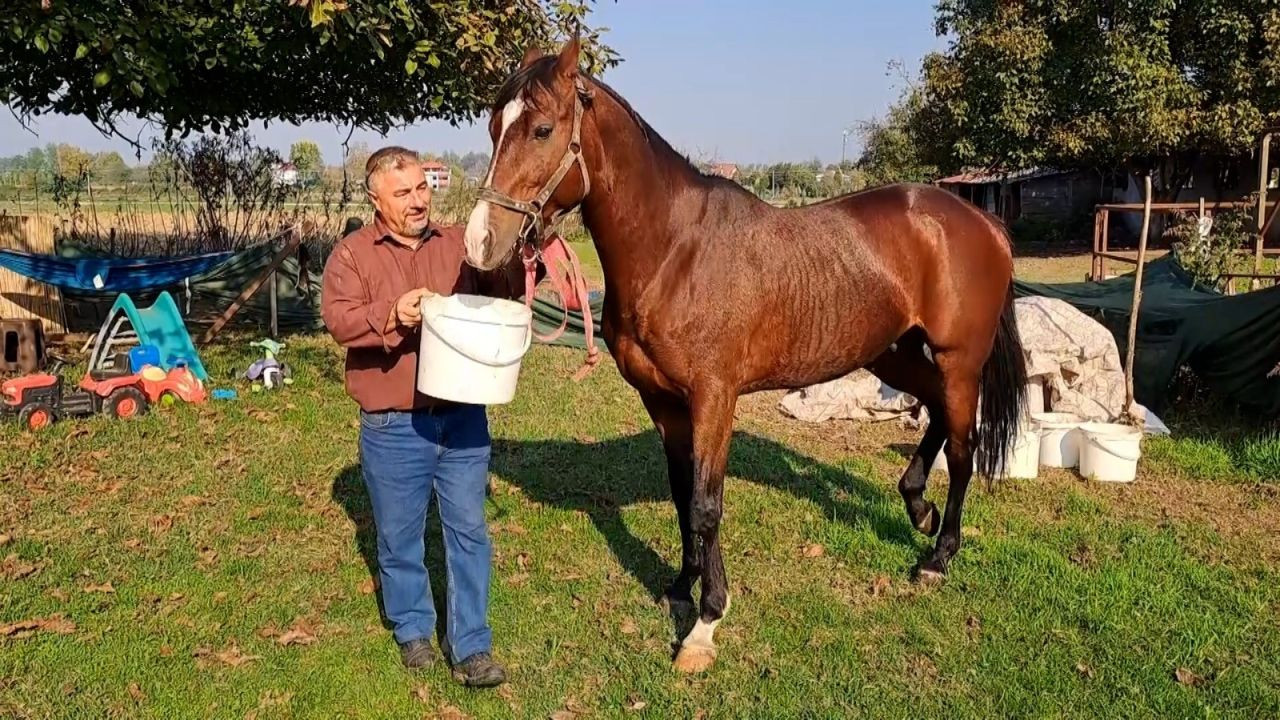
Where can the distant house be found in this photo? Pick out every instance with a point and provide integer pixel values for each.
(284, 174)
(438, 176)
(728, 171)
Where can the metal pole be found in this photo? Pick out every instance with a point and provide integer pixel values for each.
(275, 318)
(1263, 172)
(1137, 300)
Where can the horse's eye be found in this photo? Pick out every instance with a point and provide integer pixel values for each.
(542, 132)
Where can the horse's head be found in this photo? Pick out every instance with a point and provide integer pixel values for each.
(537, 172)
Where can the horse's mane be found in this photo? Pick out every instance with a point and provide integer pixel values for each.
(540, 74)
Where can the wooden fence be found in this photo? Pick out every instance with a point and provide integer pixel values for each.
(21, 297)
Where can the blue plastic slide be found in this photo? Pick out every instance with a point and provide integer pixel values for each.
(159, 325)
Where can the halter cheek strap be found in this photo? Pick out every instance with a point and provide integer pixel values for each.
(533, 228)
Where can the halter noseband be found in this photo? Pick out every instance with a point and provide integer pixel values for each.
(532, 229)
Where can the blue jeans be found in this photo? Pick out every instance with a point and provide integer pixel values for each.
(406, 458)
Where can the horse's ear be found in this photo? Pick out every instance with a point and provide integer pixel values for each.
(567, 62)
(533, 54)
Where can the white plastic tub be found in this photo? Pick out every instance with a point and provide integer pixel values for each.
(1059, 439)
(1109, 452)
(472, 347)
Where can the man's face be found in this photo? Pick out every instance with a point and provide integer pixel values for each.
(403, 198)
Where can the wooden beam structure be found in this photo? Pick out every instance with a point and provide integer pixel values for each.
(290, 247)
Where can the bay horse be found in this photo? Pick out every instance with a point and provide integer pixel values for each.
(712, 293)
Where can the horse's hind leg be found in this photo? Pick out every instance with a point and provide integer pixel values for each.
(671, 416)
(960, 382)
(906, 367)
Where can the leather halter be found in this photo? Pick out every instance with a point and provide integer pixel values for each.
(533, 228)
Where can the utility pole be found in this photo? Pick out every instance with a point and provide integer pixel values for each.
(844, 140)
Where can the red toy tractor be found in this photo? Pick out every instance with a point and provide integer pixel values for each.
(40, 399)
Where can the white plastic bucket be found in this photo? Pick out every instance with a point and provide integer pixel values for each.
(1109, 451)
(1059, 439)
(472, 347)
(1023, 460)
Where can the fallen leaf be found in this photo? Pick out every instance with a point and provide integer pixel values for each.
(208, 556)
(699, 714)
(256, 513)
(368, 586)
(262, 415)
(518, 579)
(268, 632)
(166, 651)
(629, 626)
(296, 637)
(161, 524)
(575, 600)
(880, 585)
(974, 625)
(57, 594)
(175, 597)
(522, 561)
(191, 501)
(136, 692)
(218, 597)
(105, 587)
(1084, 670)
(5, 539)
(55, 623)
(970, 531)
(564, 715)
(1188, 677)
(233, 657)
(133, 543)
(635, 704)
(422, 693)
(14, 568)
(814, 550)
(451, 712)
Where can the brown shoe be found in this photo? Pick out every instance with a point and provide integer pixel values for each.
(417, 653)
(479, 671)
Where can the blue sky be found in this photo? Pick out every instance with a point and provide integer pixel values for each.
(736, 81)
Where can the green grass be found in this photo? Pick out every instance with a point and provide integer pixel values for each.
(220, 526)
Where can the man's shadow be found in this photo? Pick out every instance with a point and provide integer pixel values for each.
(600, 478)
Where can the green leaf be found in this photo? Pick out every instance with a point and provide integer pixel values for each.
(41, 44)
(55, 35)
(136, 88)
(433, 61)
(209, 63)
(82, 51)
(410, 66)
(102, 78)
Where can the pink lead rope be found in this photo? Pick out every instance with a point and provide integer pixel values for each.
(565, 273)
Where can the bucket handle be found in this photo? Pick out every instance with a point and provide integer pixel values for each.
(500, 362)
(1122, 456)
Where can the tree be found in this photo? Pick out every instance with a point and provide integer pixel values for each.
(305, 156)
(71, 160)
(1147, 85)
(219, 65)
(108, 167)
(892, 150)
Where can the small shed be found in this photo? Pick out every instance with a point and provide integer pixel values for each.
(1036, 193)
(20, 297)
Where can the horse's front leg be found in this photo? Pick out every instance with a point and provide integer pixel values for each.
(712, 415)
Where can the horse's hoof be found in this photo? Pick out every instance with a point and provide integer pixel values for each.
(931, 522)
(692, 660)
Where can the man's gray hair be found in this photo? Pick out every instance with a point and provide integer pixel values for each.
(392, 156)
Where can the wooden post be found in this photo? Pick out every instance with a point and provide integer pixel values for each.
(275, 317)
(1094, 273)
(1106, 232)
(290, 246)
(1263, 172)
(1137, 301)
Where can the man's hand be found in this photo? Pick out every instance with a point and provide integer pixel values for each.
(407, 311)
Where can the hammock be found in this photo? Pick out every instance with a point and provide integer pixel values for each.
(113, 274)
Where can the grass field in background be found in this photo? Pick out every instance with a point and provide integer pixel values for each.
(216, 561)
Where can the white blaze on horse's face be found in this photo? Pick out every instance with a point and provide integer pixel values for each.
(478, 230)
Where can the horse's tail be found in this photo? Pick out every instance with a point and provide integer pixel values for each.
(1003, 390)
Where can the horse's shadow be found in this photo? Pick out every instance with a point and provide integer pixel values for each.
(600, 478)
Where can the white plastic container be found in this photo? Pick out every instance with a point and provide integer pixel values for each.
(1059, 439)
(472, 347)
(1109, 452)
(1023, 460)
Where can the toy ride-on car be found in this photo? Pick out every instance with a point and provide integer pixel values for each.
(40, 399)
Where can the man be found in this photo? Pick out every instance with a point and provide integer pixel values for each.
(412, 446)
